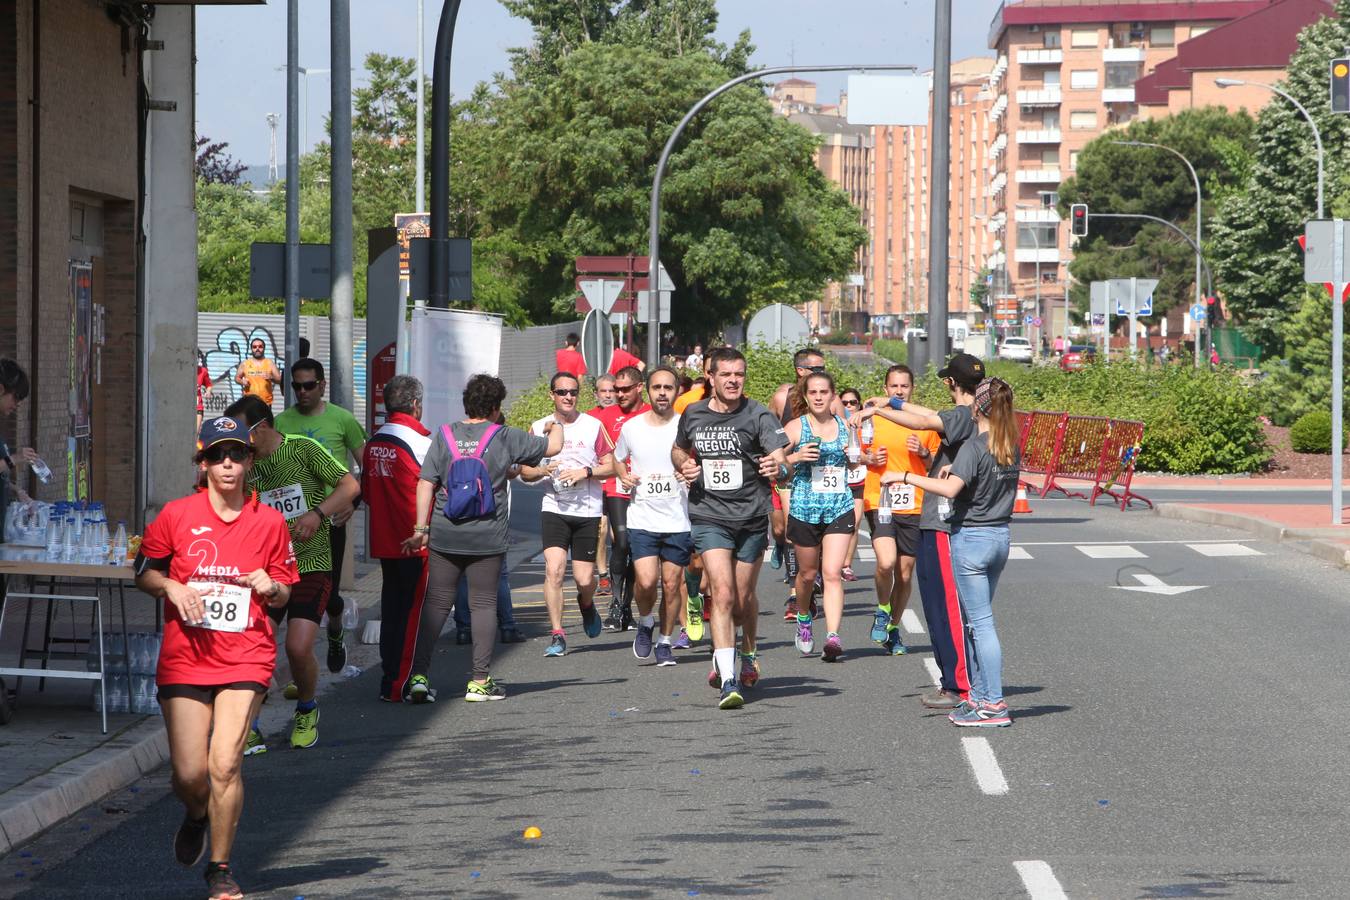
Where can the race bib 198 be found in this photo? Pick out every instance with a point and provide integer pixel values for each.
(902, 497)
(828, 480)
(722, 474)
(226, 605)
(288, 500)
(655, 487)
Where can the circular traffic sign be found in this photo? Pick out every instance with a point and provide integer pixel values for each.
(1036, 321)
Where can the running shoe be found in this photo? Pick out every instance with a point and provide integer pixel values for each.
(749, 669)
(776, 556)
(961, 709)
(337, 652)
(707, 608)
(614, 616)
(790, 611)
(220, 883)
(642, 641)
(420, 690)
(665, 655)
(604, 588)
(895, 645)
(189, 841)
(253, 746)
(983, 715)
(941, 699)
(805, 643)
(847, 574)
(881, 621)
(682, 639)
(695, 618)
(512, 635)
(557, 646)
(487, 690)
(305, 731)
(290, 691)
(590, 621)
(626, 620)
(833, 649)
(714, 680)
(731, 696)
(463, 636)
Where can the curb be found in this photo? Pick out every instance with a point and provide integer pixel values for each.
(1294, 538)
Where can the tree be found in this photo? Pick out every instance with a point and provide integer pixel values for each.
(214, 165)
(1254, 239)
(1119, 179)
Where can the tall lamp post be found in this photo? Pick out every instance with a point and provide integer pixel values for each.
(1198, 232)
(1317, 135)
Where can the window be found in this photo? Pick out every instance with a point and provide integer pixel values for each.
(1050, 40)
(1073, 163)
(1083, 37)
(1083, 119)
(1163, 36)
(1083, 79)
(1029, 235)
(1050, 78)
(1122, 75)
(1199, 30)
(1050, 158)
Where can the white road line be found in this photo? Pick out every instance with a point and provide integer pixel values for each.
(987, 773)
(1019, 552)
(866, 554)
(1109, 551)
(1224, 550)
(1039, 880)
(933, 671)
(910, 622)
(1092, 543)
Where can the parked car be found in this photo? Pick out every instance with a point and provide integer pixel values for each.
(1017, 349)
(1077, 356)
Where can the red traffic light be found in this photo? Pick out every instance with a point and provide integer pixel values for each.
(1211, 300)
(1078, 225)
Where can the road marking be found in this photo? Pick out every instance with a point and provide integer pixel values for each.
(867, 554)
(1109, 551)
(1018, 552)
(1224, 550)
(987, 773)
(933, 671)
(1100, 543)
(1152, 584)
(1039, 880)
(910, 622)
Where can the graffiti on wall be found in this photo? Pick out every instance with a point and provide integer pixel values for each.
(223, 359)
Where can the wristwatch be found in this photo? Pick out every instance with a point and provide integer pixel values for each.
(588, 471)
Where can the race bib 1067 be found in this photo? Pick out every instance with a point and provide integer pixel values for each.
(288, 500)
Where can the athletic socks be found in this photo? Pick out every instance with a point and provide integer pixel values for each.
(648, 621)
(305, 706)
(691, 580)
(884, 609)
(663, 639)
(725, 660)
(803, 618)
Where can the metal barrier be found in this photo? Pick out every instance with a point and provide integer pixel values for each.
(1119, 452)
(1081, 448)
(1078, 452)
(1040, 432)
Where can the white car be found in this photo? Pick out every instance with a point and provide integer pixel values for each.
(1016, 349)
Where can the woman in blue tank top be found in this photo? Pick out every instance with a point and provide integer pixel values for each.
(820, 516)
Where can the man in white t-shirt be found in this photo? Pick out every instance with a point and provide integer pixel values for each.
(658, 513)
(573, 502)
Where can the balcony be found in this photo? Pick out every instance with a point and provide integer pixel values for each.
(1033, 255)
(1000, 144)
(997, 222)
(1037, 176)
(1046, 214)
(994, 261)
(1048, 57)
(999, 182)
(1000, 66)
(1123, 55)
(999, 108)
(1044, 97)
(1038, 136)
(1118, 95)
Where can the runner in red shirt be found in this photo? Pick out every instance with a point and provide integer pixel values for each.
(627, 404)
(622, 359)
(569, 358)
(218, 558)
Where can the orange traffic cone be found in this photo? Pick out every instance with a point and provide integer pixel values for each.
(1020, 505)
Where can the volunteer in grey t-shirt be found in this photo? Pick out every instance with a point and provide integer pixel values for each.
(990, 487)
(476, 548)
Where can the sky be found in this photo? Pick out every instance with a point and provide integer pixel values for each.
(240, 47)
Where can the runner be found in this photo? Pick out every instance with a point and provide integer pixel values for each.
(604, 398)
(628, 404)
(937, 589)
(820, 518)
(982, 485)
(604, 392)
(728, 447)
(569, 358)
(851, 400)
(300, 479)
(257, 374)
(658, 518)
(894, 523)
(570, 516)
(218, 558)
(204, 387)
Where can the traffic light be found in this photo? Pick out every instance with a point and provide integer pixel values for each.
(1211, 311)
(1078, 219)
(1340, 85)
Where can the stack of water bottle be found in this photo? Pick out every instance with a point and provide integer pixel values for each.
(78, 533)
(142, 650)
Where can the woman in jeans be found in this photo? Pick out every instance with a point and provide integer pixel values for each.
(982, 482)
(470, 548)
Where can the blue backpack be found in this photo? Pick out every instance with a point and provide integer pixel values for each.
(468, 484)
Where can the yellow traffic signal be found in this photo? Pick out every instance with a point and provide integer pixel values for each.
(1340, 85)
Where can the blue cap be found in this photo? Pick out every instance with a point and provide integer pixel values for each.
(221, 429)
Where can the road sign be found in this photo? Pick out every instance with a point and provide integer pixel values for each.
(597, 343)
(1099, 299)
(1029, 320)
(663, 306)
(777, 324)
(1036, 322)
(267, 270)
(1198, 312)
(601, 293)
(1132, 292)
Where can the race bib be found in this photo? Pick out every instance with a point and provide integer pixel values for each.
(722, 474)
(902, 497)
(288, 500)
(857, 474)
(655, 487)
(565, 487)
(620, 489)
(828, 480)
(226, 605)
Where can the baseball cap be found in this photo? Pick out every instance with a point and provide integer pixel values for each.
(964, 369)
(222, 429)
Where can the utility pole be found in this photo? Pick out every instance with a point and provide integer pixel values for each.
(292, 191)
(440, 158)
(938, 182)
(421, 203)
(340, 312)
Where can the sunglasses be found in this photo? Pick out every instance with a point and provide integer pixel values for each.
(626, 387)
(850, 402)
(304, 385)
(566, 392)
(237, 453)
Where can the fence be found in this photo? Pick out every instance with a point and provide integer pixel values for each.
(1082, 448)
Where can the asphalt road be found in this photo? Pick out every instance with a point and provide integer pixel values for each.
(1166, 743)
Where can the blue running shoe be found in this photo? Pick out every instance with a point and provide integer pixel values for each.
(731, 696)
(895, 645)
(642, 641)
(682, 640)
(557, 646)
(981, 715)
(880, 622)
(665, 656)
(590, 620)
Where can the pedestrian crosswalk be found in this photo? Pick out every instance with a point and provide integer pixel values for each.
(1137, 550)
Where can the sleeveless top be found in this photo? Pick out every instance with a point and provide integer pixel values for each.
(820, 507)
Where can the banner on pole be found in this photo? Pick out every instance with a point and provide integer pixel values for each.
(448, 347)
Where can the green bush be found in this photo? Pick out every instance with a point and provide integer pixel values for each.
(895, 351)
(537, 402)
(1312, 433)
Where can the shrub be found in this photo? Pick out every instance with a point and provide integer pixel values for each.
(888, 348)
(1312, 433)
(537, 402)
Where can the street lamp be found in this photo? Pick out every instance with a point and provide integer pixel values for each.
(1196, 179)
(304, 116)
(1317, 135)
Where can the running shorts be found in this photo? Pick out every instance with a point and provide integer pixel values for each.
(577, 534)
(904, 530)
(810, 534)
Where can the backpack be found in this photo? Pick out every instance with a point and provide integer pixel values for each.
(468, 484)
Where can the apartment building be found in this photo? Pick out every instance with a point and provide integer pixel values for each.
(1065, 72)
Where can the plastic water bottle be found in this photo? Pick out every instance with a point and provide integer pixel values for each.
(41, 470)
(852, 450)
(868, 433)
(69, 539)
(54, 534)
(119, 544)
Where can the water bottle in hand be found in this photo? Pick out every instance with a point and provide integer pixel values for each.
(41, 470)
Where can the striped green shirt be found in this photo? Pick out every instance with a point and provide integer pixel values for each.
(295, 479)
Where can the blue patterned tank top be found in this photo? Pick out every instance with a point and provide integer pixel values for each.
(820, 491)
